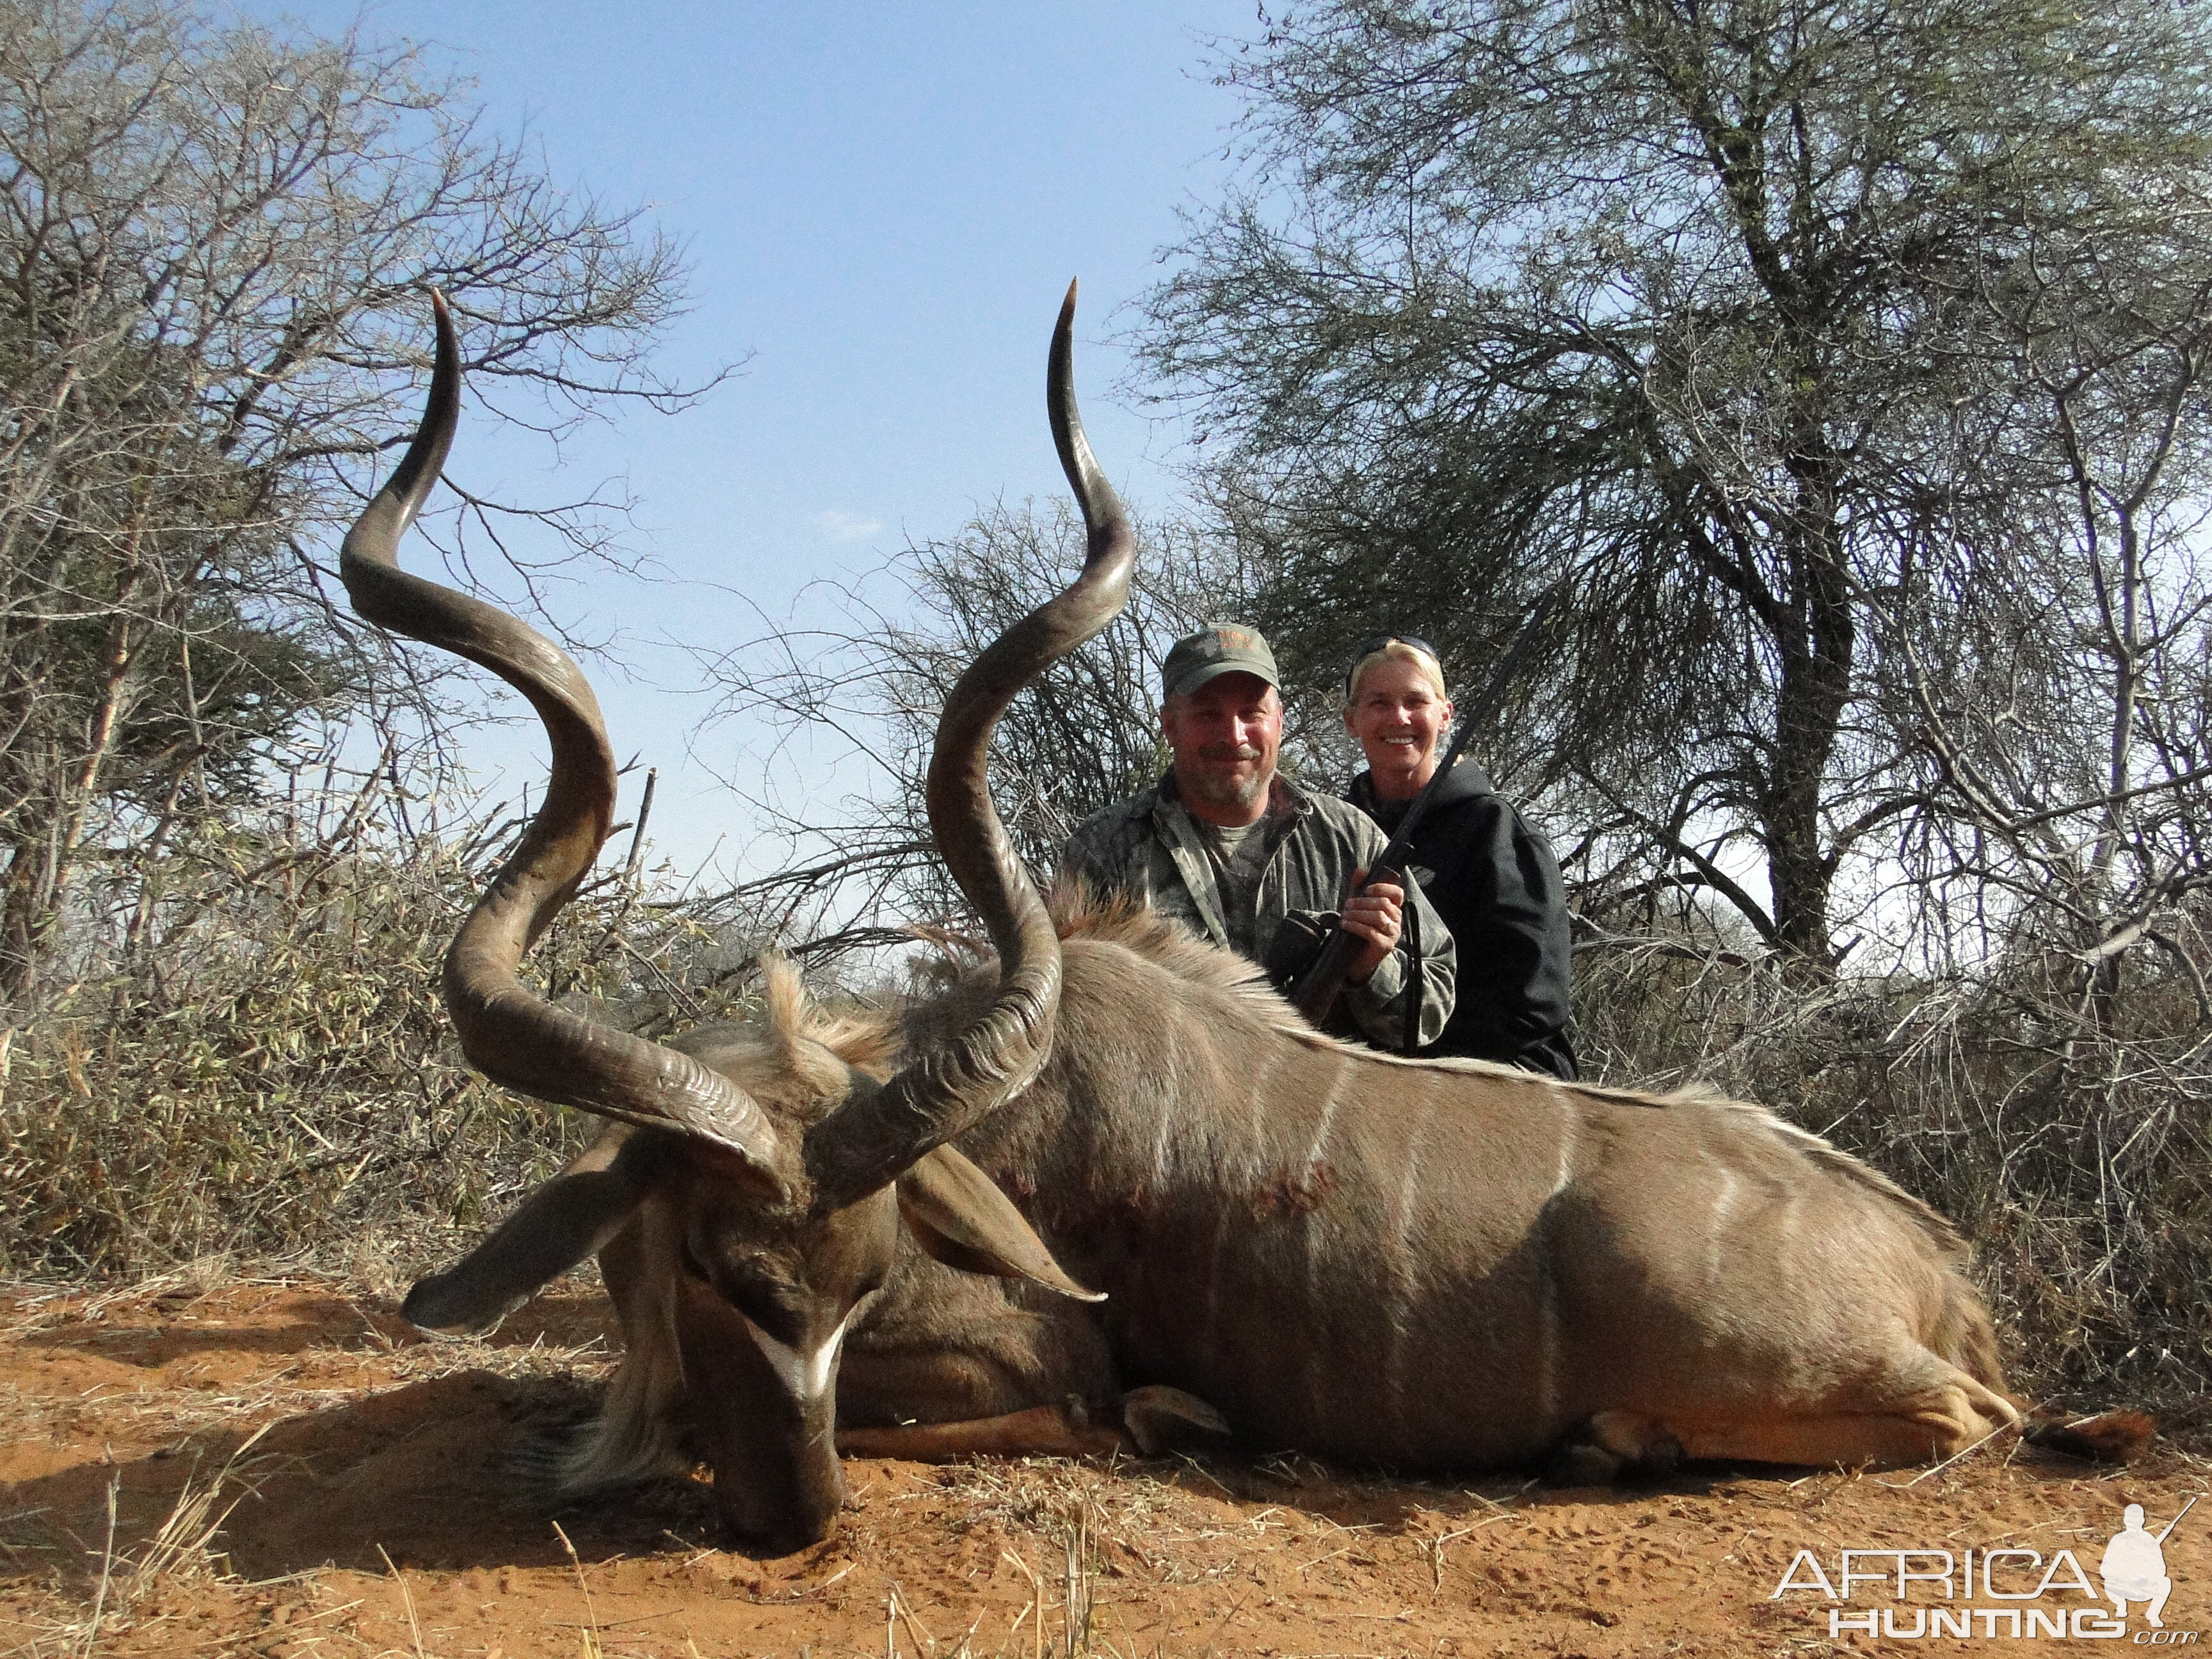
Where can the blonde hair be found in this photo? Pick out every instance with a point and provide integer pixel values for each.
(1431, 669)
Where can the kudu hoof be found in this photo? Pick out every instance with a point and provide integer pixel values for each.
(1583, 1464)
(1161, 1419)
(1614, 1447)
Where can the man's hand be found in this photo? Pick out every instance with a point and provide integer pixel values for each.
(1376, 913)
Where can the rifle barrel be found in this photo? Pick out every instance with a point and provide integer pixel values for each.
(2176, 1522)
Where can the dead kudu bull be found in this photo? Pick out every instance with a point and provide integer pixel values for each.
(1427, 1265)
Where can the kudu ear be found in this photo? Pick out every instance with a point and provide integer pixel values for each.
(957, 1214)
(570, 1217)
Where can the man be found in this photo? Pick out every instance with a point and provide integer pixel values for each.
(1235, 853)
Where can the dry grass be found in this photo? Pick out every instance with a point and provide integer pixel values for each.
(1071, 1531)
(2072, 1144)
(272, 1077)
(81, 1593)
(182, 1550)
(267, 1077)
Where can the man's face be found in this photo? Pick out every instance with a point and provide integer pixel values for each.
(1225, 736)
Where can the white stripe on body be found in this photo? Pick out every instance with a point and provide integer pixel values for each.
(1316, 1323)
(1780, 1229)
(1164, 1092)
(1716, 1228)
(1399, 1315)
(1548, 1319)
(1225, 1213)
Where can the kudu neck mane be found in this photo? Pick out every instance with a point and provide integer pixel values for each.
(964, 967)
(962, 974)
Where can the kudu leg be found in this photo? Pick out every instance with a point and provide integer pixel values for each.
(980, 1366)
(1615, 1446)
(1940, 1421)
(1154, 1419)
(1062, 1431)
(955, 1347)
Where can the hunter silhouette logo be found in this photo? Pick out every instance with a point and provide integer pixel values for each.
(2134, 1567)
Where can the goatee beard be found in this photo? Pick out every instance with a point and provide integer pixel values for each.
(1240, 793)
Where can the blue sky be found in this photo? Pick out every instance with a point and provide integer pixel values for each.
(882, 204)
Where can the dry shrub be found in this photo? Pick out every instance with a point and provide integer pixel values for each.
(269, 1071)
(252, 1059)
(2063, 1125)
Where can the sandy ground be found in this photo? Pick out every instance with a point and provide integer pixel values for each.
(284, 1469)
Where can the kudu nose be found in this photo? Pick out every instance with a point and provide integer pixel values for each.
(758, 1526)
(765, 1537)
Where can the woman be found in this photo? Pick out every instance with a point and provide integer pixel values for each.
(1489, 874)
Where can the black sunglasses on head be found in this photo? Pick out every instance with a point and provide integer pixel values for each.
(1368, 647)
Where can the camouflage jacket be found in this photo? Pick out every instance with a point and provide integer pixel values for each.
(1148, 847)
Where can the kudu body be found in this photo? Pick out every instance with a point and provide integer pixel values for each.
(1442, 1265)
(1454, 1265)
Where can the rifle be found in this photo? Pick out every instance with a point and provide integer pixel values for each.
(2176, 1522)
(1321, 985)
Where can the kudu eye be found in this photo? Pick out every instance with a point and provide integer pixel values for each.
(767, 1302)
(774, 1313)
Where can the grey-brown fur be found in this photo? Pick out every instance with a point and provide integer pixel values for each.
(1462, 1267)
(1471, 1267)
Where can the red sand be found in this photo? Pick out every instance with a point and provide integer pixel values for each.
(373, 1518)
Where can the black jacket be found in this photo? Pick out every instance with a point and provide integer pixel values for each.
(1496, 883)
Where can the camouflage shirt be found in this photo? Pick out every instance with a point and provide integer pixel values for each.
(1150, 848)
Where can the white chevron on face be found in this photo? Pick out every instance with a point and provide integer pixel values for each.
(806, 1373)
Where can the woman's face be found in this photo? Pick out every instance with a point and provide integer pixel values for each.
(1399, 720)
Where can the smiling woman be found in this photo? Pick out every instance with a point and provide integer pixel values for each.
(1396, 706)
(1488, 873)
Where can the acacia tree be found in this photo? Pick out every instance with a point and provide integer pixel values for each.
(216, 245)
(2065, 721)
(2066, 754)
(1667, 297)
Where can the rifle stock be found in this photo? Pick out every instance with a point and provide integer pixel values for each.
(1321, 983)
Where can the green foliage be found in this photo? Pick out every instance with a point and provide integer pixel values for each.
(216, 242)
(1788, 330)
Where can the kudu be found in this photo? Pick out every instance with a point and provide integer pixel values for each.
(1443, 1265)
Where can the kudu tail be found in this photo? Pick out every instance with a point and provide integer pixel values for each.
(1965, 1336)
(2118, 1437)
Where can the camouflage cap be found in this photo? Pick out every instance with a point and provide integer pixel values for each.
(1224, 648)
